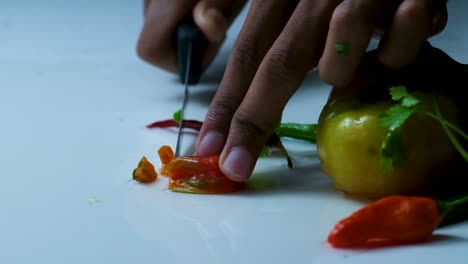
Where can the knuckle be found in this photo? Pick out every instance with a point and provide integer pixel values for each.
(354, 10)
(246, 54)
(414, 10)
(150, 51)
(326, 76)
(257, 2)
(220, 109)
(157, 54)
(246, 124)
(280, 57)
(144, 51)
(282, 65)
(332, 79)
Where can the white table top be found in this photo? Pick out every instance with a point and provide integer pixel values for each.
(74, 102)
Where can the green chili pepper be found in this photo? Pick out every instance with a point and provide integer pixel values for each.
(307, 132)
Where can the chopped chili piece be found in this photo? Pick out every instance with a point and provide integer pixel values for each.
(191, 174)
(145, 172)
(166, 154)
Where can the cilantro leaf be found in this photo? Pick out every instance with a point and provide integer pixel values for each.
(399, 93)
(342, 49)
(409, 101)
(445, 124)
(395, 116)
(392, 151)
(94, 200)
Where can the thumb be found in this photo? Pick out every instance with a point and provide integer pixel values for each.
(214, 17)
(211, 21)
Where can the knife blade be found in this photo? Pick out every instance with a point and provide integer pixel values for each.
(191, 43)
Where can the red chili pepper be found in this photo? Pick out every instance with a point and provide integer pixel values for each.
(191, 174)
(193, 124)
(301, 131)
(393, 220)
(307, 132)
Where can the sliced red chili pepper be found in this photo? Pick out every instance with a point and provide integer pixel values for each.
(166, 154)
(299, 131)
(145, 172)
(193, 124)
(393, 220)
(191, 174)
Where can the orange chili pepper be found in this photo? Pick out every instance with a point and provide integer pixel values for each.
(393, 220)
(191, 174)
(166, 154)
(145, 172)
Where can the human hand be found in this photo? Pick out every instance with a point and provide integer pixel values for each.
(281, 41)
(156, 40)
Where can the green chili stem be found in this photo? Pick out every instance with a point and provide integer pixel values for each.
(275, 141)
(177, 115)
(307, 132)
(438, 116)
(447, 123)
(449, 206)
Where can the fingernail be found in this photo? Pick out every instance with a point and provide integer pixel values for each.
(211, 16)
(212, 143)
(216, 22)
(239, 164)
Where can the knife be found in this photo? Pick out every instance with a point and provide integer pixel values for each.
(191, 43)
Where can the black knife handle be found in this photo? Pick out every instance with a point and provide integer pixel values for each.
(188, 32)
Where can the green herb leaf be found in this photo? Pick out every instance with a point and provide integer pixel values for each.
(399, 93)
(395, 116)
(392, 151)
(94, 200)
(265, 152)
(449, 133)
(409, 101)
(342, 49)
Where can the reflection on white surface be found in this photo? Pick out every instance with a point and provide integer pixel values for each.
(74, 100)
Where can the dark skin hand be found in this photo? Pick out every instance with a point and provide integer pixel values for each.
(279, 43)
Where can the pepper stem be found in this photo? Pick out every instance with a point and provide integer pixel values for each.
(449, 206)
(446, 125)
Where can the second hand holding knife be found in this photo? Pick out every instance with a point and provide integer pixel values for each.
(191, 44)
